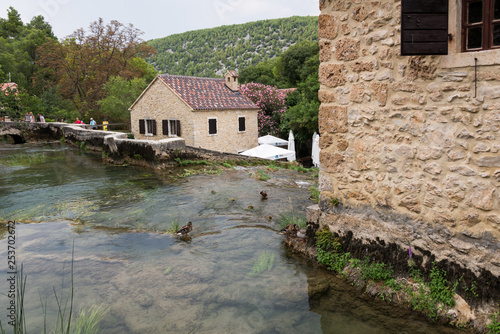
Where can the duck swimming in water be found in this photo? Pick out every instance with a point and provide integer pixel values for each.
(185, 229)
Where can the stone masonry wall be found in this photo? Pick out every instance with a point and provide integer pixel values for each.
(156, 103)
(410, 148)
(160, 103)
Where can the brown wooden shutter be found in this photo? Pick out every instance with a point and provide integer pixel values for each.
(424, 27)
(178, 125)
(164, 124)
(154, 127)
(142, 126)
(212, 126)
(241, 125)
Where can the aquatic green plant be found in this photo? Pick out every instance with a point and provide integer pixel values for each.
(174, 227)
(192, 162)
(314, 193)
(371, 270)
(440, 289)
(326, 241)
(87, 322)
(263, 263)
(24, 159)
(299, 168)
(330, 252)
(334, 201)
(261, 176)
(19, 321)
(434, 296)
(494, 325)
(216, 171)
(471, 291)
(291, 218)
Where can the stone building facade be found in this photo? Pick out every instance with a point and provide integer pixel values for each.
(410, 143)
(208, 113)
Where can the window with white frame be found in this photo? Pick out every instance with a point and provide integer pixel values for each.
(147, 127)
(171, 127)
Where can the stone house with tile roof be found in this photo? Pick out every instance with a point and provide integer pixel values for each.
(209, 113)
(9, 86)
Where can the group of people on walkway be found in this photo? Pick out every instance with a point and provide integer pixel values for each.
(30, 118)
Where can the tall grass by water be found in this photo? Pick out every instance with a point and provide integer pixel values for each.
(88, 321)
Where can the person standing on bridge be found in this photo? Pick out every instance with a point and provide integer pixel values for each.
(93, 124)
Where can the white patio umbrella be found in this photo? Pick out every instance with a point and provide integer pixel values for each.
(291, 146)
(269, 152)
(272, 140)
(315, 150)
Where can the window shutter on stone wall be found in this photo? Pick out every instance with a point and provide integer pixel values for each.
(424, 27)
(178, 126)
(142, 127)
(241, 125)
(153, 122)
(164, 124)
(212, 126)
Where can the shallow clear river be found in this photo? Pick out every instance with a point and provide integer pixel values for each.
(233, 276)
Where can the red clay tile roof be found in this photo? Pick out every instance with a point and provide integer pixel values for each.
(11, 85)
(206, 93)
(288, 90)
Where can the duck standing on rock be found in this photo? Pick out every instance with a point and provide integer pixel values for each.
(290, 230)
(185, 229)
(263, 193)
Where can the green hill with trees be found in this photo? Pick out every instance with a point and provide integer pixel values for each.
(210, 52)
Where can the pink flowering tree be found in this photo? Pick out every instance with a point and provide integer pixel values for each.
(271, 102)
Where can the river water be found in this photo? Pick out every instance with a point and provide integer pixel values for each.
(232, 276)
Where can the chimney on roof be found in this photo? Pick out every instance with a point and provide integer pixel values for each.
(231, 80)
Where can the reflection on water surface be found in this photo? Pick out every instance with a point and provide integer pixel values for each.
(232, 276)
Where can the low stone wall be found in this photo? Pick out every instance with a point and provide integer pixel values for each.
(115, 144)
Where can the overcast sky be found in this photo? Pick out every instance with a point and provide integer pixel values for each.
(158, 18)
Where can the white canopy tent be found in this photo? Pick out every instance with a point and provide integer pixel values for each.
(266, 151)
(272, 140)
(291, 146)
(315, 150)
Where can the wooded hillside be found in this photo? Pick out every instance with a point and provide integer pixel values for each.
(210, 52)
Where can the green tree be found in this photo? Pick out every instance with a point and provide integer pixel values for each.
(121, 94)
(261, 73)
(290, 66)
(83, 63)
(10, 28)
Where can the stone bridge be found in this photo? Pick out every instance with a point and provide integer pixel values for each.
(116, 145)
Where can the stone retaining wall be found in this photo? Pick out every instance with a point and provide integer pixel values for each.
(409, 146)
(115, 144)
